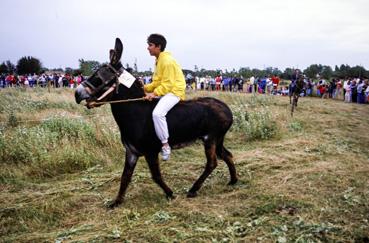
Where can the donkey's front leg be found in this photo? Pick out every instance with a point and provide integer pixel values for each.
(296, 97)
(129, 167)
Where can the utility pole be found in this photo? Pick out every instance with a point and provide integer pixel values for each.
(135, 65)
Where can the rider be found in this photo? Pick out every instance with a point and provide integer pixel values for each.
(295, 76)
(168, 83)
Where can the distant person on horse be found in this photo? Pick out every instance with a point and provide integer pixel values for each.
(168, 83)
(292, 87)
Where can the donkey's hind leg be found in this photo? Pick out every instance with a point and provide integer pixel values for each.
(225, 155)
(153, 163)
(211, 164)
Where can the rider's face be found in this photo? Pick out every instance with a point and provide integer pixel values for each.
(153, 49)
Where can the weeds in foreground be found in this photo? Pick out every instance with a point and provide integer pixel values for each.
(301, 180)
(254, 123)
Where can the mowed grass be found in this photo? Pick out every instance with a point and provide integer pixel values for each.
(301, 179)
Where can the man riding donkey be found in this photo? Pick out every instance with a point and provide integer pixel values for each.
(295, 88)
(168, 83)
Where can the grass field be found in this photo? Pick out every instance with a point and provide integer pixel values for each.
(302, 179)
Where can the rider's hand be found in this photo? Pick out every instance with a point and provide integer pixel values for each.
(150, 96)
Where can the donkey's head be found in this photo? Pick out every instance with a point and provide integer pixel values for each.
(99, 86)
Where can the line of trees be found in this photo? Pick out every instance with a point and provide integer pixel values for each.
(30, 65)
(314, 71)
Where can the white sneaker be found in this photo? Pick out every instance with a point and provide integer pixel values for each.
(165, 152)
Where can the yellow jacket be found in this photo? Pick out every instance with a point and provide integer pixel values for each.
(167, 78)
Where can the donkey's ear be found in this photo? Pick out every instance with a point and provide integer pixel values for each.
(118, 48)
(116, 54)
(112, 56)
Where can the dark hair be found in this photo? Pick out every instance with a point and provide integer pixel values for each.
(157, 39)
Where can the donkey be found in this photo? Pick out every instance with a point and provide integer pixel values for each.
(294, 91)
(205, 118)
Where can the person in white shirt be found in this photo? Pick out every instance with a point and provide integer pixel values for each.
(253, 84)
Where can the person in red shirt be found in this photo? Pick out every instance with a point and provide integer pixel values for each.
(322, 90)
(275, 80)
(10, 80)
(218, 81)
(71, 82)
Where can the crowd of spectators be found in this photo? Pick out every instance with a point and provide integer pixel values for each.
(33, 80)
(354, 90)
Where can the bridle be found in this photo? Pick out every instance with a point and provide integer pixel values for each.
(107, 74)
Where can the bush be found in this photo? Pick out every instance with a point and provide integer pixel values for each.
(55, 146)
(295, 126)
(72, 128)
(19, 101)
(258, 124)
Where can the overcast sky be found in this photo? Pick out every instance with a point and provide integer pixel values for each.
(211, 34)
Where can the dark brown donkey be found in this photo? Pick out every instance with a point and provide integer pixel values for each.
(294, 91)
(207, 119)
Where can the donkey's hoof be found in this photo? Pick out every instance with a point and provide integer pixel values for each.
(111, 204)
(232, 182)
(171, 197)
(191, 194)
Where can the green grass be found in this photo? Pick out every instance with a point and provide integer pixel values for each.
(302, 179)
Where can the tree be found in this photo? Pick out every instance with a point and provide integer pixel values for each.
(7, 67)
(57, 70)
(327, 72)
(88, 67)
(358, 72)
(3, 68)
(11, 66)
(196, 69)
(29, 65)
(313, 70)
(245, 72)
(69, 70)
(343, 71)
(287, 74)
(76, 72)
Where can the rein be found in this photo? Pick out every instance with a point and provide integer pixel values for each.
(116, 101)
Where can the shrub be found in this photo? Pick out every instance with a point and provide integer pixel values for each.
(55, 146)
(295, 126)
(64, 127)
(257, 124)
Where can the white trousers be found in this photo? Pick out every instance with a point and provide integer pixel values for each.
(158, 115)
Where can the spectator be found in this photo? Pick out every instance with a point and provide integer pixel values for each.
(309, 87)
(275, 80)
(332, 88)
(360, 92)
(338, 88)
(254, 84)
(353, 91)
(269, 85)
(218, 81)
(323, 91)
(240, 84)
(347, 88)
(367, 90)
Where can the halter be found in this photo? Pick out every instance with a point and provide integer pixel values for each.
(106, 79)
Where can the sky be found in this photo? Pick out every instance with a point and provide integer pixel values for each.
(211, 34)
